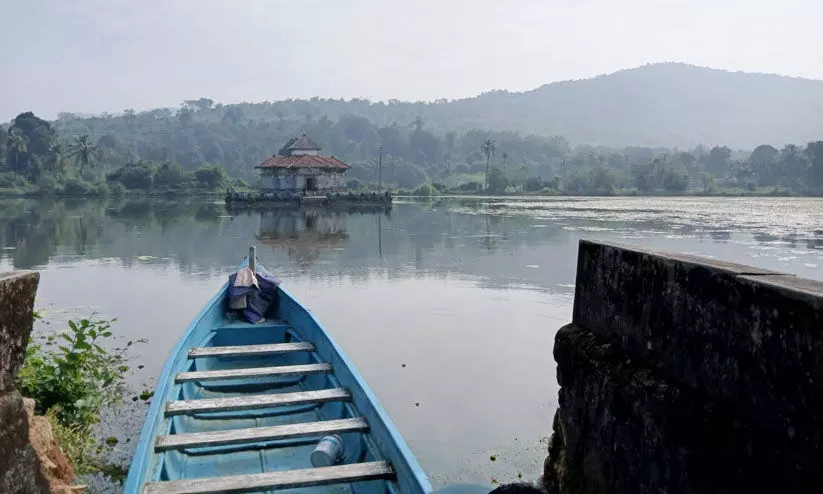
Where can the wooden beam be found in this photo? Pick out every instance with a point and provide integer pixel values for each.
(259, 434)
(248, 350)
(288, 479)
(253, 402)
(282, 370)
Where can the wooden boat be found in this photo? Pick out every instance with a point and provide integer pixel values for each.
(240, 407)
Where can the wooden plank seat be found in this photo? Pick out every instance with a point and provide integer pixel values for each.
(259, 434)
(282, 370)
(250, 350)
(252, 402)
(288, 479)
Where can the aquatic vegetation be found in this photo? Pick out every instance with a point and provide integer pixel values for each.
(73, 377)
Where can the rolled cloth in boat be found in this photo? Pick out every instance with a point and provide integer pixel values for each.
(259, 298)
(242, 278)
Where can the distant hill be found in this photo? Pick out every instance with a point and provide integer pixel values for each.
(635, 116)
(665, 104)
(658, 105)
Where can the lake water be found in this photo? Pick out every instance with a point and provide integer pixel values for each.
(448, 308)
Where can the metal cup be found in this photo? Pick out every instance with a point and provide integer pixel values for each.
(329, 451)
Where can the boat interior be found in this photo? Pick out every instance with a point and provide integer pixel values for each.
(248, 403)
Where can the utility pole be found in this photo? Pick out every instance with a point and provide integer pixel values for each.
(380, 171)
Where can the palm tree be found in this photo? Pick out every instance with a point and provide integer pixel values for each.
(83, 152)
(18, 144)
(488, 148)
(55, 158)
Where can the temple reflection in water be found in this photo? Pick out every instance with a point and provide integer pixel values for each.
(305, 232)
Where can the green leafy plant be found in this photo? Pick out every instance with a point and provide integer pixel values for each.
(73, 376)
(74, 373)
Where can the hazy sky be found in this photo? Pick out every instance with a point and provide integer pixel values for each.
(107, 55)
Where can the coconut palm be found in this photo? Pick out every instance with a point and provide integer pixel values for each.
(488, 148)
(17, 144)
(55, 158)
(84, 153)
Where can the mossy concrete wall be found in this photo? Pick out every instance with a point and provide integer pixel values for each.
(20, 468)
(683, 374)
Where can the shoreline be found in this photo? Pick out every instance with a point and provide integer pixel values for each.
(127, 195)
(526, 195)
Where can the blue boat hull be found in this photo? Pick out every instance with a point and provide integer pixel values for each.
(183, 440)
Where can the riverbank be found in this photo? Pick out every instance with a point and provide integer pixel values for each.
(141, 178)
(105, 193)
(31, 459)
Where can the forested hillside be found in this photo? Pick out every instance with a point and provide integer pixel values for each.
(528, 148)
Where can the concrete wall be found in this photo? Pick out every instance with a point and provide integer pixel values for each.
(297, 181)
(271, 181)
(681, 374)
(20, 467)
(329, 181)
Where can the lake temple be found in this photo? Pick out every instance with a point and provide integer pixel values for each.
(300, 168)
(299, 174)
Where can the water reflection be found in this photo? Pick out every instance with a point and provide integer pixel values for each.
(499, 242)
(303, 232)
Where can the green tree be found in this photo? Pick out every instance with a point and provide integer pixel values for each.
(762, 163)
(497, 181)
(675, 179)
(602, 181)
(4, 136)
(425, 148)
(450, 145)
(55, 160)
(107, 142)
(184, 116)
(38, 132)
(684, 159)
(170, 175)
(138, 175)
(424, 190)
(717, 161)
(814, 152)
(646, 176)
(795, 166)
(488, 149)
(18, 147)
(708, 182)
(202, 104)
(210, 177)
(576, 182)
(418, 124)
(533, 184)
(84, 153)
(25, 155)
(393, 141)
